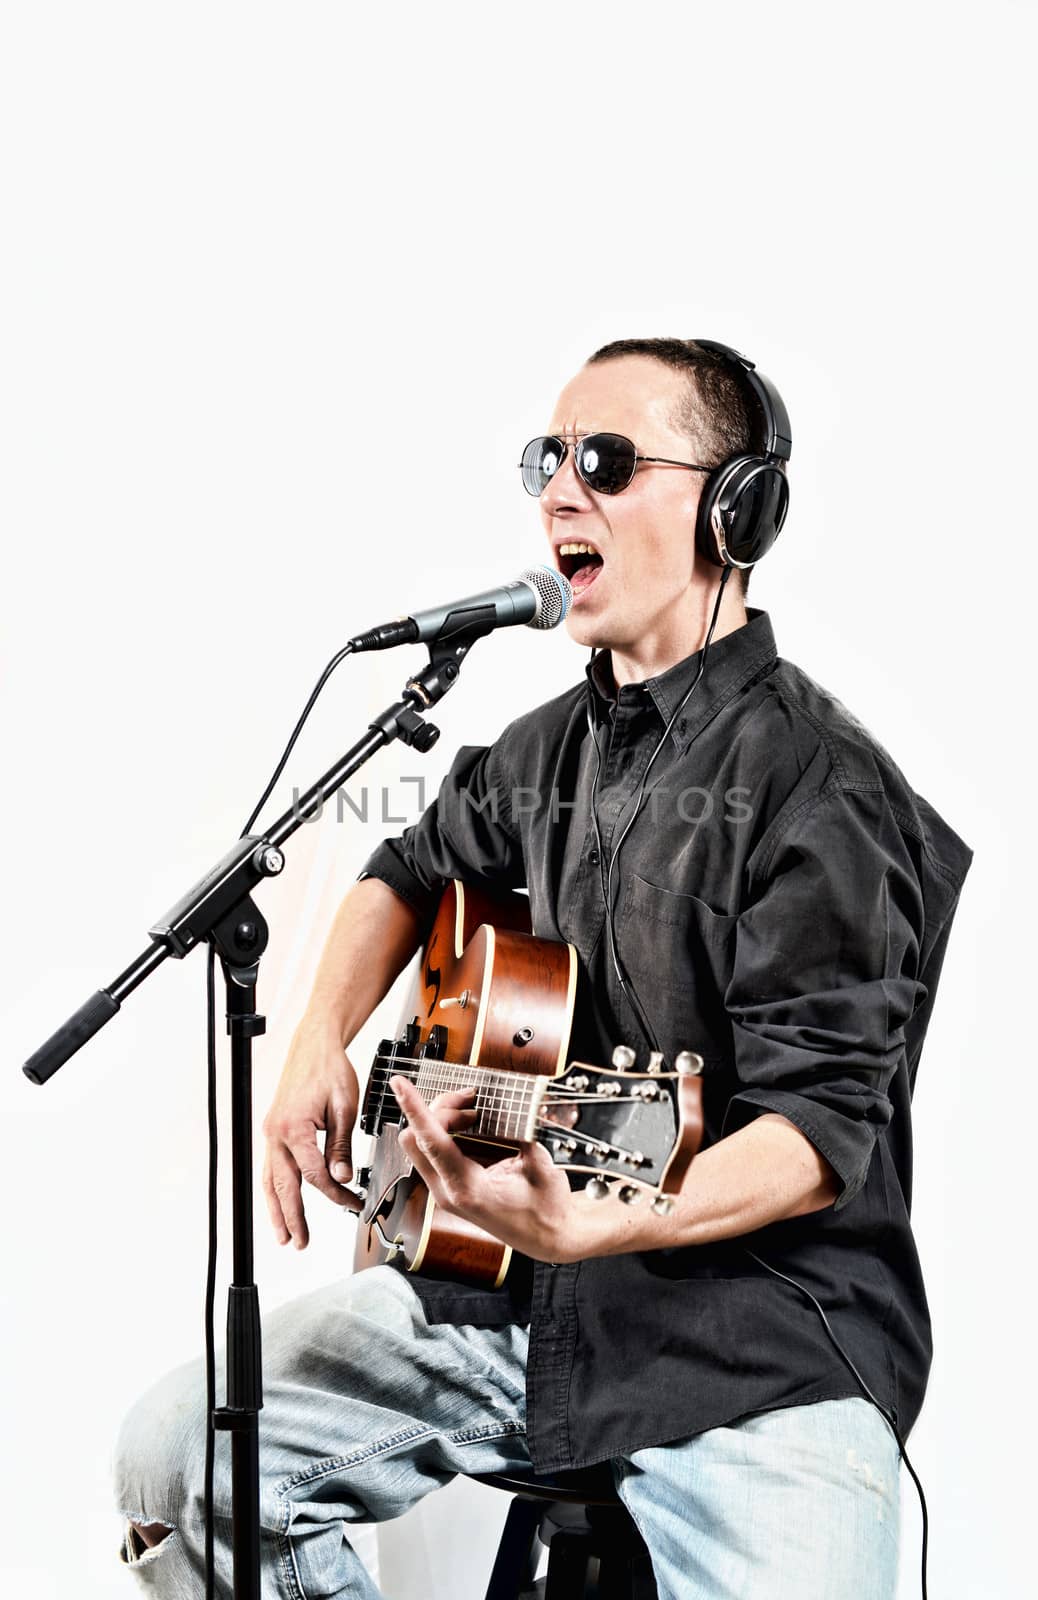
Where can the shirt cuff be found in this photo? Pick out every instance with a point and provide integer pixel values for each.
(385, 863)
(846, 1145)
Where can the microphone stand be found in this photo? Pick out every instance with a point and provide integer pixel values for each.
(219, 910)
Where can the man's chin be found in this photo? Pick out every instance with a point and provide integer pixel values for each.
(591, 633)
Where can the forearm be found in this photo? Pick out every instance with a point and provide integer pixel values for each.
(372, 939)
(766, 1172)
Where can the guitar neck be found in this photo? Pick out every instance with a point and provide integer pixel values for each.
(507, 1104)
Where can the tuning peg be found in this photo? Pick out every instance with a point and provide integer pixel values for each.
(629, 1194)
(687, 1064)
(663, 1205)
(624, 1058)
(597, 1188)
(655, 1063)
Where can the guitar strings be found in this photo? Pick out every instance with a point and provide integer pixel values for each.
(587, 1139)
(501, 1099)
(515, 1099)
(512, 1100)
(511, 1078)
(498, 1086)
(574, 1097)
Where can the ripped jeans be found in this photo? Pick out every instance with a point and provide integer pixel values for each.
(367, 1407)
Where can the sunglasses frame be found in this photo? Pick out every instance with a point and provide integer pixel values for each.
(665, 461)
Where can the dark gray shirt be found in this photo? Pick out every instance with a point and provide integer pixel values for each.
(784, 901)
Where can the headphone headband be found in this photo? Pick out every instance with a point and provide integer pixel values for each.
(778, 436)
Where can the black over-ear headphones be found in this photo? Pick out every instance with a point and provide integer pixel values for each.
(745, 500)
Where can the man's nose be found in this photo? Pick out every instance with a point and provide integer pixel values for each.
(566, 490)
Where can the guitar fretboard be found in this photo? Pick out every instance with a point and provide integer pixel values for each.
(506, 1104)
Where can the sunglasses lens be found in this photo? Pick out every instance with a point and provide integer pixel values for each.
(542, 458)
(606, 462)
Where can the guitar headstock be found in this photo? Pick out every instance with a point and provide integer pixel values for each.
(625, 1128)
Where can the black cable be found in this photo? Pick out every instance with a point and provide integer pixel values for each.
(297, 730)
(626, 987)
(210, 1282)
(867, 1392)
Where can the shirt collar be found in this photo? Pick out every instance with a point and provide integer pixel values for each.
(731, 662)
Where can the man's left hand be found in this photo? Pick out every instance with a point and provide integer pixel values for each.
(524, 1200)
(765, 1172)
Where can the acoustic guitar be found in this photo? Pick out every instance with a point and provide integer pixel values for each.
(491, 1010)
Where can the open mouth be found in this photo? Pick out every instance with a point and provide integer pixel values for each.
(580, 563)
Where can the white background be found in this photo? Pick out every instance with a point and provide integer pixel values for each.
(284, 288)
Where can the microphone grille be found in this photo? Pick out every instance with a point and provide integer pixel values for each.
(554, 595)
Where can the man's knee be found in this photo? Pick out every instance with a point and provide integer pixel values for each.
(159, 1454)
(142, 1537)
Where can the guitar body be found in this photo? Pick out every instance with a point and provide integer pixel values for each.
(486, 993)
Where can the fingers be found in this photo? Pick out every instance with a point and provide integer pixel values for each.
(274, 1211)
(428, 1140)
(338, 1155)
(317, 1095)
(447, 1114)
(283, 1193)
(454, 1111)
(353, 1201)
(310, 1161)
(292, 1160)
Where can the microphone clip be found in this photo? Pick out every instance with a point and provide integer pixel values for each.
(404, 721)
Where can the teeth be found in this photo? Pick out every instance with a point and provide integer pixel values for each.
(577, 550)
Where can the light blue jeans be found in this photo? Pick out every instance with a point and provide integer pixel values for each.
(367, 1407)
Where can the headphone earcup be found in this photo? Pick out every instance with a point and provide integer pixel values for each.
(741, 511)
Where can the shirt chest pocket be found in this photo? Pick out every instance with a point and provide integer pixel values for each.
(679, 953)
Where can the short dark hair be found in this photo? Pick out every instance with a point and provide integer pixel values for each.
(720, 412)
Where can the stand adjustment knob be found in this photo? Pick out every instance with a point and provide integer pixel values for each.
(269, 860)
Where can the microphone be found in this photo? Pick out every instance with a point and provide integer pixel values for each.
(540, 597)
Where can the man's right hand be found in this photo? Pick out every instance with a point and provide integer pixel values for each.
(317, 1092)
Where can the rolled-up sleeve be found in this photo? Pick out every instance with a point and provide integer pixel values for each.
(825, 978)
(467, 832)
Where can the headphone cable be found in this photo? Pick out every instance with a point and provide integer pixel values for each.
(626, 987)
(867, 1392)
(628, 990)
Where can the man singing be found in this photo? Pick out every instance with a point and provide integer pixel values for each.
(744, 872)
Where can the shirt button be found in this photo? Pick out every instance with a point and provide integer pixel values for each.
(594, 858)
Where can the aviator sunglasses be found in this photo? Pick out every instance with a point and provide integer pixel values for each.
(606, 461)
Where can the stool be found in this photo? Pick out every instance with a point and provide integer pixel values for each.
(595, 1552)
